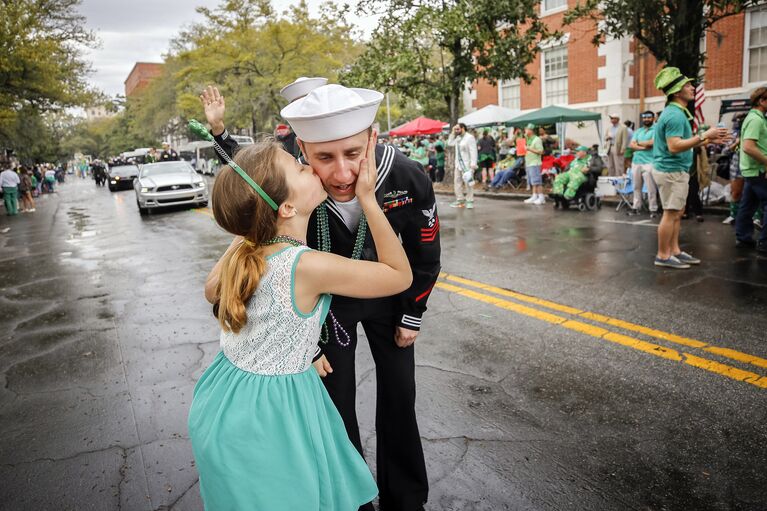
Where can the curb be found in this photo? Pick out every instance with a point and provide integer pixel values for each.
(611, 200)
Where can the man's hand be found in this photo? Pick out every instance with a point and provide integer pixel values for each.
(322, 366)
(214, 106)
(404, 337)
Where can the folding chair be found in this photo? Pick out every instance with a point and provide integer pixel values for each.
(624, 186)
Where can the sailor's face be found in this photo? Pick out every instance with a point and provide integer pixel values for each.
(306, 191)
(337, 163)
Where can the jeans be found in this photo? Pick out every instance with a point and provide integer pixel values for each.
(754, 192)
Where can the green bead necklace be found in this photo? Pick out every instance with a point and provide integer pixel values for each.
(284, 238)
(323, 240)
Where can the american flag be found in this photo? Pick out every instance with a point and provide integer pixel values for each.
(700, 98)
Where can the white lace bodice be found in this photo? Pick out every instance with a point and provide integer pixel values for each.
(277, 338)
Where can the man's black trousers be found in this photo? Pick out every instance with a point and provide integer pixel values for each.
(400, 466)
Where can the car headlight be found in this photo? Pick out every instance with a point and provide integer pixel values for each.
(201, 184)
(144, 189)
(117, 178)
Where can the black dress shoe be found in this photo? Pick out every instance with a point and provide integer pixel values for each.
(745, 244)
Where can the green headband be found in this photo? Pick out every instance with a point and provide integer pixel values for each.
(198, 129)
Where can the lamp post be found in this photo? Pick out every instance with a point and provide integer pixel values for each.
(388, 112)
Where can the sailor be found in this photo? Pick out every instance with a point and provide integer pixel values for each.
(332, 124)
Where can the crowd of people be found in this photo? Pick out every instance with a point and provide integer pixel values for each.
(22, 184)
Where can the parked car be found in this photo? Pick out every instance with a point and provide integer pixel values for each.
(122, 176)
(169, 183)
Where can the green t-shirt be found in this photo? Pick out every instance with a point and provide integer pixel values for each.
(673, 122)
(532, 159)
(754, 128)
(643, 135)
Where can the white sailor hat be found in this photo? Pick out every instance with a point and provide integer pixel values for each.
(301, 87)
(332, 112)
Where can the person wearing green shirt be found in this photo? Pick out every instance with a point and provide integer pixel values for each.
(753, 162)
(566, 184)
(439, 156)
(673, 144)
(641, 163)
(533, 159)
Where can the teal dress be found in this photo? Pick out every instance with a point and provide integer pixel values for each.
(265, 433)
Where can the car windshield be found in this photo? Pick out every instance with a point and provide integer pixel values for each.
(155, 169)
(123, 170)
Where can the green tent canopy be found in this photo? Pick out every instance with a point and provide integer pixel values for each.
(560, 116)
(553, 115)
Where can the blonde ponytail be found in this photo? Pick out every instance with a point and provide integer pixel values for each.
(241, 270)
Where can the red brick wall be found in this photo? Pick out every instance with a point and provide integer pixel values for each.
(724, 65)
(140, 76)
(582, 68)
(486, 94)
(582, 63)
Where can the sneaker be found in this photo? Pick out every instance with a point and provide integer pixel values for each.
(469, 204)
(699, 218)
(728, 220)
(32, 210)
(457, 204)
(745, 243)
(531, 199)
(633, 212)
(758, 224)
(541, 200)
(653, 215)
(671, 262)
(687, 258)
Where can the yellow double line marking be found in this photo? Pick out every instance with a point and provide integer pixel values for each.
(602, 333)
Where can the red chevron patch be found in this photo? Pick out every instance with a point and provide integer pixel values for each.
(428, 234)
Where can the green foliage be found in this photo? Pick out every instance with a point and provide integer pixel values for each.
(41, 66)
(251, 52)
(427, 50)
(670, 29)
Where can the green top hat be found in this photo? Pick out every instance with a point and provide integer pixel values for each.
(670, 80)
(581, 148)
(530, 126)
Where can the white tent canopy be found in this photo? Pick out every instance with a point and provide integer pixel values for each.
(489, 115)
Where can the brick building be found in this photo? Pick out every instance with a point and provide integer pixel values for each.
(618, 75)
(140, 76)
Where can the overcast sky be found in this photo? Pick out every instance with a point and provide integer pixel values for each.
(141, 30)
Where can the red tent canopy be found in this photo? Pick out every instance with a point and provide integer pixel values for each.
(418, 126)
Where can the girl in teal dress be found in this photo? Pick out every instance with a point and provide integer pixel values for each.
(264, 432)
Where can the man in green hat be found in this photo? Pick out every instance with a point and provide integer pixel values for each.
(673, 145)
(566, 184)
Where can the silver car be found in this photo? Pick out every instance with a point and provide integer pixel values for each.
(169, 183)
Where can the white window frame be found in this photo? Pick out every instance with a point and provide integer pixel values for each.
(500, 92)
(554, 10)
(746, 48)
(544, 101)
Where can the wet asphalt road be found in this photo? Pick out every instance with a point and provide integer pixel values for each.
(582, 378)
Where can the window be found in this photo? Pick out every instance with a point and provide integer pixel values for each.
(757, 46)
(510, 94)
(550, 5)
(555, 76)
